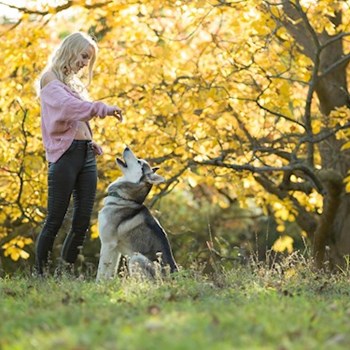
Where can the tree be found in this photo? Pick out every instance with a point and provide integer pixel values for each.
(323, 43)
(249, 97)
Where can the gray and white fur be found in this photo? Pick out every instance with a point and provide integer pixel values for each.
(126, 226)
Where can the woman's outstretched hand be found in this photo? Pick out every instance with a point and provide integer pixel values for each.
(115, 111)
(118, 114)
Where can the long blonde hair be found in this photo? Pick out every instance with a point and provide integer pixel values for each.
(66, 53)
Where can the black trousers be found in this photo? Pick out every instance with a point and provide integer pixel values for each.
(75, 173)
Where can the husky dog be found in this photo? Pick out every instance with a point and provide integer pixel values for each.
(126, 227)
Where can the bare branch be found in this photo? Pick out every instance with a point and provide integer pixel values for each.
(57, 9)
(334, 39)
(306, 220)
(343, 61)
(308, 172)
(169, 186)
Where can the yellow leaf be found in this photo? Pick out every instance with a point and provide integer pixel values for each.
(345, 146)
(283, 243)
(347, 187)
(27, 241)
(280, 228)
(20, 244)
(15, 255)
(94, 231)
(290, 272)
(24, 254)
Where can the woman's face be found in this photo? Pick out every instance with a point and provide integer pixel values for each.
(82, 59)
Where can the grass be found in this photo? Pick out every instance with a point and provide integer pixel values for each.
(251, 307)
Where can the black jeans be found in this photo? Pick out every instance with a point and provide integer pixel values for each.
(74, 173)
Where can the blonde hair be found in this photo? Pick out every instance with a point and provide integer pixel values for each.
(65, 55)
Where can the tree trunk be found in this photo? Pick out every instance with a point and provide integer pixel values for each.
(333, 230)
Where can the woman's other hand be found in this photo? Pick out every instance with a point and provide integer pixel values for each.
(97, 149)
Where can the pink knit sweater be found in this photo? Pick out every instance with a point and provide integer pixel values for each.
(61, 109)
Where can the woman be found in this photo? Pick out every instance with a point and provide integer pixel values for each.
(70, 151)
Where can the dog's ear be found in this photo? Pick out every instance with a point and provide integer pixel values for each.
(154, 169)
(154, 179)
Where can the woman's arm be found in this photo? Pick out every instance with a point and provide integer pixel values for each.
(62, 104)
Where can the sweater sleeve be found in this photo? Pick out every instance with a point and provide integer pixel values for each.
(63, 105)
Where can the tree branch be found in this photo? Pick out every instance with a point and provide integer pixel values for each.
(169, 186)
(57, 9)
(305, 219)
(267, 169)
(342, 61)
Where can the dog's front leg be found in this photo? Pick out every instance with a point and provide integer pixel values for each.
(109, 260)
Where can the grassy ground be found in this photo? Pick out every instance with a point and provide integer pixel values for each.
(287, 307)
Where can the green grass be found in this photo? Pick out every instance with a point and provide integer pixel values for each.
(253, 307)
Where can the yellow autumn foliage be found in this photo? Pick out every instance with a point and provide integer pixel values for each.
(15, 249)
(195, 80)
(282, 244)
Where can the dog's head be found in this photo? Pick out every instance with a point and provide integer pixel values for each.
(137, 170)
